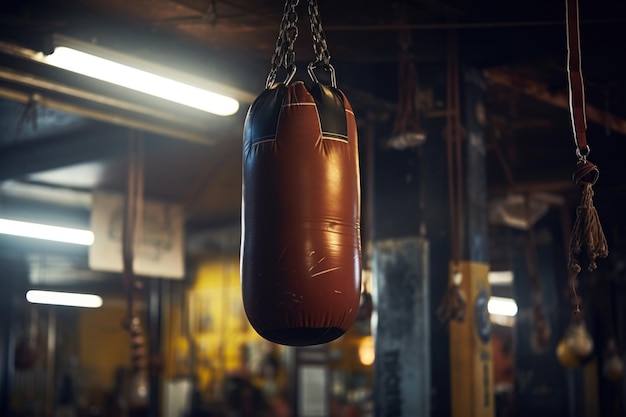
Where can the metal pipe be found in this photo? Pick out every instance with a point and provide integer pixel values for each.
(392, 27)
(155, 332)
(439, 26)
(104, 116)
(50, 361)
(20, 52)
(33, 81)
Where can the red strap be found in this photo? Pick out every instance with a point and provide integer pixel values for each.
(575, 78)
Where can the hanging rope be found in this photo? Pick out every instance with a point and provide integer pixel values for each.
(587, 231)
(407, 131)
(131, 236)
(453, 304)
(407, 117)
(541, 326)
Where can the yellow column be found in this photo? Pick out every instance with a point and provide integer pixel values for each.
(471, 365)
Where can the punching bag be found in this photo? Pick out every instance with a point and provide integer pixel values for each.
(301, 251)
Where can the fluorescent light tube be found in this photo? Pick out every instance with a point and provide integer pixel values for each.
(139, 80)
(64, 298)
(502, 306)
(46, 232)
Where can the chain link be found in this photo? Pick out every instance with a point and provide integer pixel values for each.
(320, 47)
(284, 54)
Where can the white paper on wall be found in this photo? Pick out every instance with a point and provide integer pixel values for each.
(160, 251)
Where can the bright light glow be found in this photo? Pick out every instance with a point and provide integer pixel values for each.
(142, 81)
(502, 306)
(367, 353)
(64, 298)
(46, 232)
(505, 321)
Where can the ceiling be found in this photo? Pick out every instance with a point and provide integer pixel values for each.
(58, 146)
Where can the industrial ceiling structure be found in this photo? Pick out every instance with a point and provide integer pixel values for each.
(64, 136)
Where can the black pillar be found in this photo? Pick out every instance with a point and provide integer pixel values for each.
(542, 386)
(5, 337)
(14, 277)
(410, 200)
(471, 364)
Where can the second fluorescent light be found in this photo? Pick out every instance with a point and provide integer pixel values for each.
(46, 232)
(113, 72)
(502, 306)
(69, 299)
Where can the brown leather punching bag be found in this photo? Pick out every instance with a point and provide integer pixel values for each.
(301, 251)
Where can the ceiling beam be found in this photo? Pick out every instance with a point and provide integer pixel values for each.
(542, 93)
(95, 144)
(104, 116)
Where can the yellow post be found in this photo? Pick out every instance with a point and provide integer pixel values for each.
(471, 365)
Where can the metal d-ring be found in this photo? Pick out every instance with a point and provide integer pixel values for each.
(292, 72)
(582, 156)
(328, 67)
(271, 78)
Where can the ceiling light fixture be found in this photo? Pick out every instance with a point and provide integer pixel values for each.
(64, 298)
(135, 74)
(46, 232)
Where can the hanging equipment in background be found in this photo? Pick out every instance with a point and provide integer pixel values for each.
(407, 130)
(576, 344)
(613, 367)
(137, 393)
(587, 231)
(454, 302)
(611, 362)
(301, 249)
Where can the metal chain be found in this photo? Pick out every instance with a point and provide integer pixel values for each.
(320, 47)
(284, 54)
